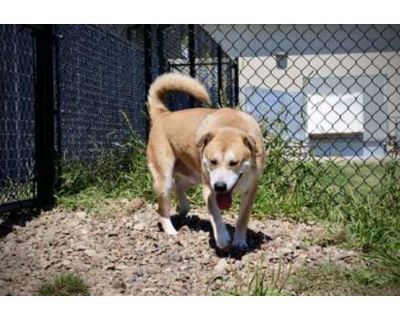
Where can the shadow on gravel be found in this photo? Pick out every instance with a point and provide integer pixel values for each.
(20, 218)
(254, 239)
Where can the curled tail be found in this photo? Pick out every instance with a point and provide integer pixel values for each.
(173, 82)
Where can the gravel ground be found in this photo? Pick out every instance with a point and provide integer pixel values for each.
(126, 254)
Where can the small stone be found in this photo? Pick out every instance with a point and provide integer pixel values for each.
(90, 252)
(315, 249)
(221, 266)
(135, 205)
(121, 267)
(66, 262)
(81, 214)
(112, 258)
(139, 226)
(110, 266)
(119, 284)
(79, 246)
(274, 260)
(299, 245)
(239, 264)
(231, 267)
(129, 225)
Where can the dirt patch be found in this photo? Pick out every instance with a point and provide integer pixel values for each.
(127, 254)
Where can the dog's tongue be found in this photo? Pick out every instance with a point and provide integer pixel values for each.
(224, 200)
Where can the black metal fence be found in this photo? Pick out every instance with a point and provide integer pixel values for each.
(69, 93)
(325, 92)
(100, 84)
(191, 50)
(17, 119)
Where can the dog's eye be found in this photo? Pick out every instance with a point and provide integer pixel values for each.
(233, 163)
(214, 161)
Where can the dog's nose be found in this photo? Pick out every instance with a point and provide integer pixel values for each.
(220, 186)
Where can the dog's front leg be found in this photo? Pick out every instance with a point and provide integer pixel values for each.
(221, 234)
(246, 203)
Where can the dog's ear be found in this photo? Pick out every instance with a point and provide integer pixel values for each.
(205, 139)
(250, 142)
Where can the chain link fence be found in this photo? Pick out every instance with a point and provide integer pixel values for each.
(17, 116)
(333, 89)
(327, 96)
(100, 84)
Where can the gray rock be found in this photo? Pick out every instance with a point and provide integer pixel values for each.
(90, 252)
(81, 214)
(221, 266)
(139, 226)
(121, 267)
(80, 246)
(299, 245)
(119, 284)
(66, 263)
(110, 266)
(112, 258)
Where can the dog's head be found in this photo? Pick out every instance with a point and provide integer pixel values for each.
(226, 155)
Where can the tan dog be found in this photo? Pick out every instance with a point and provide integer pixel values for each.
(220, 148)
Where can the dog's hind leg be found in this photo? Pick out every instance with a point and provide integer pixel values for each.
(181, 186)
(162, 172)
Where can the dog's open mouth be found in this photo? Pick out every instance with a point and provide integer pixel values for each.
(224, 200)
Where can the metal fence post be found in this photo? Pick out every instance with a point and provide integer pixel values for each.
(192, 51)
(44, 117)
(192, 56)
(148, 69)
(236, 81)
(160, 49)
(219, 75)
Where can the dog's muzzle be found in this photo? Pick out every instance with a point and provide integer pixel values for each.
(224, 197)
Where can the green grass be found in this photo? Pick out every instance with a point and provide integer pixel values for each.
(327, 279)
(332, 279)
(262, 284)
(362, 200)
(64, 285)
(122, 173)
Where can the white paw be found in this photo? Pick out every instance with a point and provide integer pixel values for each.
(223, 240)
(167, 226)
